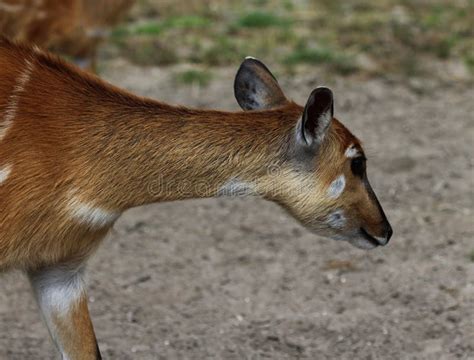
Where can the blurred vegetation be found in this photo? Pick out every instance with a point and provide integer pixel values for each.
(194, 77)
(403, 37)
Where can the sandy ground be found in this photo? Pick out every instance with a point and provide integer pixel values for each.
(239, 279)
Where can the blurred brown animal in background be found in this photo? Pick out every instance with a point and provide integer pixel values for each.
(72, 28)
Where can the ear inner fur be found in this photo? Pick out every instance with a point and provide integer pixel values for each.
(256, 88)
(318, 114)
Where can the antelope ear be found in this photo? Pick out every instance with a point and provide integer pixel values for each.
(317, 116)
(256, 88)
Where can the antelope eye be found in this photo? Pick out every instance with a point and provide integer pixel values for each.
(358, 166)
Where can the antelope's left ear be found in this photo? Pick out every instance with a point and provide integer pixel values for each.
(255, 87)
(317, 116)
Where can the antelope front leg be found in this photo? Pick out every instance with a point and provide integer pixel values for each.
(62, 298)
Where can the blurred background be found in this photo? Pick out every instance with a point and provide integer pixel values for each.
(237, 278)
(386, 38)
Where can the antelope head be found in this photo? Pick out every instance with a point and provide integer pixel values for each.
(321, 178)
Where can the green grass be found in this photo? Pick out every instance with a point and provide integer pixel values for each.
(187, 22)
(152, 28)
(398, 37)
(469, 61)
(260, 19)
(192, 77)
(310, 56)
(223, 51)
(321, 55)
(149, 52)
(471, 256)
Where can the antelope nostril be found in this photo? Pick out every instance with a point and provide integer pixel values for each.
(389, 232)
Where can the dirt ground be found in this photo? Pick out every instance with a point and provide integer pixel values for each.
(239, 279)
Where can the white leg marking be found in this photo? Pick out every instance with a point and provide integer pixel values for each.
(351, 151)
(236, 187)
(89, 214)
(57, 290)
(12, 107)
(4, 173)
(337, 187)
(336, 219)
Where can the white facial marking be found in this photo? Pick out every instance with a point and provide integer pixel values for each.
(336, 220)
(337, 187)
(361, 243)
(89, 214)
(12, 107)
(351, 151)
(4, 173)
(381, 240)
(236, 187)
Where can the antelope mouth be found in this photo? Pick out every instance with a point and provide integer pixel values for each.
(372, 240)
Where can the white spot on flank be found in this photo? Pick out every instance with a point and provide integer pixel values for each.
(4, 173)
(336, 219)
(337, 187)
(235, 187)
(351, 151)
(89, 214)
(12, 107)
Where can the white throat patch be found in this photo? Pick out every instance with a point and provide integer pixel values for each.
(236, 187)
(336, 219)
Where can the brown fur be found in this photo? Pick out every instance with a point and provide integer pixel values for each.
(77, 321)
(74, 131)
(73, 134)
